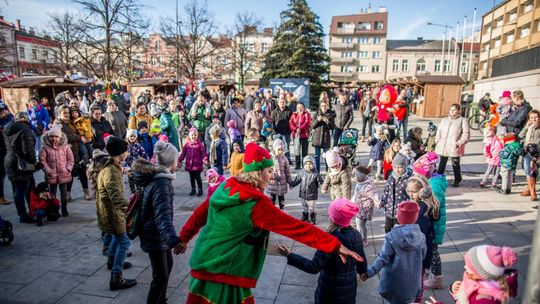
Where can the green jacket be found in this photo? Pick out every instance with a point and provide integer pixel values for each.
(510, 155)
(439, 184)
(111, 204)
(199, 118)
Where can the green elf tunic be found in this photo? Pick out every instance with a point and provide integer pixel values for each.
(229, 254)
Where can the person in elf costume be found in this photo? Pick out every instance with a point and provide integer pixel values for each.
(236, 222)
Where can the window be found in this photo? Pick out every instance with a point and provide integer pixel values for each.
(346, 54)
(363, 40)
(405, 65)
(375, 69)
(340, 25)
(499, 22)
(2, 41)
(421, 65)
(376, 54)
(362, 54)
(21, 52)
(509, 37)
(497, 42)
(437, 65)
(348, 26)
(264, 47)
(55, 57)
(377, 40)
(362, 69)
(447, 65)
(158, 45)
(346, 39)
(464, 67)
(525, 31)
(537, 22)
(364, 25)
(346, 69)
(34, 54)
(512, 16)
(527, 7)
(395, 65)
(379, 25)
(45, 55)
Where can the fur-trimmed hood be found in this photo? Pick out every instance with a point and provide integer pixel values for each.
(47, 143)
(144, 172)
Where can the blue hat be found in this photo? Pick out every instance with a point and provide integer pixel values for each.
(3, 106)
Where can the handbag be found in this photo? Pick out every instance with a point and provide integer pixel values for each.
(25, 166)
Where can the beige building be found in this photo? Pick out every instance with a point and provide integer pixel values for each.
(358, 47)
(511, 27)
(250, 48)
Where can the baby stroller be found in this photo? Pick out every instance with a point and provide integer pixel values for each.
(347, 145)
(6, 232)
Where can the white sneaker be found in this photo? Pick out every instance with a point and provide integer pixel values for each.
(433, 282)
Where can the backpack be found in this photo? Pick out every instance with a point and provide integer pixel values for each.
(133, 215)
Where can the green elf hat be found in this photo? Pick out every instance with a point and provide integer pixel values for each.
(256, 158)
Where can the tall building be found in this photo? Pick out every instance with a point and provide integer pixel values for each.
(249, 47)
(358, 46)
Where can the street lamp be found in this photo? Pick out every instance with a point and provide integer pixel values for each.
(446, 28)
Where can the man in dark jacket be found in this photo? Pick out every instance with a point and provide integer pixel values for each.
(484, 104)
(518, 116)
(100, 126)
(5, 118)
(280, 118)
(20, 143)
(158, 235)
(344, 117)
(99, 101)
(117, 119)
(250, 99)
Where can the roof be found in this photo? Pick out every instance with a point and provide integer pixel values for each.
(216, 82)
(364, 17)
(418, 45)
(42, 81)
(393, 44)
(148, 82)
(33, 38)
(439, 79)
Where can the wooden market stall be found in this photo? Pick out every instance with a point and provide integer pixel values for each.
(17, 92)
(252, 84)
(439, 93)
(154, 85)
(220, 85)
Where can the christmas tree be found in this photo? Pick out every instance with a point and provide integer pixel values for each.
(298, 50)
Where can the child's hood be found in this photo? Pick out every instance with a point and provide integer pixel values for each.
(47, 143)
(407, 237)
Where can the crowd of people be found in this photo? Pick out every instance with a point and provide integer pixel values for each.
(262, 139)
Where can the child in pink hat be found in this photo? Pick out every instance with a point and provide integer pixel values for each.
(214, 180)
(503, 108)
(337, 282)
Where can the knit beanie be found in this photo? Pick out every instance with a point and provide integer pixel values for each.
(155, 127)
(332, 157)
(231, 124)
(400, 160)
(166, 154)
(361, 173)
(163, 138)
(308, 158)
(131, 132)
(193, 131)
(278, 143)
(211, 173)
(41, 187)
(506, 94)
(341, 211)
(256, 158)
(489, 262)
(56, 130)
(407, 212)
(116, 146)
(425, 164)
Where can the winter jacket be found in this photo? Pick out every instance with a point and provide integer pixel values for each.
(147, 142)
(118, 121)
(194, 154)
(136, 151)
(121, 103)
(208, 139)
(451, 132)
(278, 184)
(378, 147)
(83, 125)
(99, 128)
(57, 161)
(322, 131)
(395, 193)
(20, 142)
(254, 120)
(199, 117)
(366, 198)
(101, 105)
(426, 222)
(530, 135)
(517, 118)
(510, 155)
(222, 155)
(3, 123)
(239, 116)
(491, 151)
(39, 119)
(439, 185)
(37, 203)
(281, 120)
(400, 264)
(111, 204)
(235, 164)
(73, 140)
(340, 184)
(309, 184)
(167, 126)
(134, 121)
(366, 106)
(158, 233)
(344, 116)
(337, 282)
(302, 122)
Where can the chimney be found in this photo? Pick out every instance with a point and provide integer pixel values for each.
(268, 30)
(18, 26)
(382, 9)
(31, 31)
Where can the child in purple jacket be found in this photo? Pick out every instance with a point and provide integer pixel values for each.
(195, 155)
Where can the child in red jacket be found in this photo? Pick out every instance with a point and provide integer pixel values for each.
(43, 204)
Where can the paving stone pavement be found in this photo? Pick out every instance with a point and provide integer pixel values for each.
(62, 263)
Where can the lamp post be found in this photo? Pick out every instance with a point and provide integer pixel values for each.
(446, 28)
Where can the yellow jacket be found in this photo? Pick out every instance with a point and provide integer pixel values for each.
(235, 164)
(84, 127)
(134, 121)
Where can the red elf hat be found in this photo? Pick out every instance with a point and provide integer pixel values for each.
(256, 158)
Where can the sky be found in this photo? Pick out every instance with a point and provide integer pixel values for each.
(407, 19)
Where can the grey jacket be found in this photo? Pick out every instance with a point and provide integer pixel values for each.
(118, 121)
(309, 184)
(344, 116)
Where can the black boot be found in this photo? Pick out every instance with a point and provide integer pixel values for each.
(64, 208)
(281, 204)
(313, 217)
(39, 221)
(118, 282)
(297, 158)
(305, 217)
(110, 260)
(192, 193)
(200, 193)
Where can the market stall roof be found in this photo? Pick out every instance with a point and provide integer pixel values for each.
(218, 82)
(40, 81)
(148, 82)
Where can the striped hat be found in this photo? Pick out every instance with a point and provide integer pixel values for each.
(489, 262)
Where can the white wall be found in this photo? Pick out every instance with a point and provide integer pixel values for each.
(528, 82)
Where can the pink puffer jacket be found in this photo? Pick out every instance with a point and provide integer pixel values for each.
(194, 154)
(57, 161)
(491, 151)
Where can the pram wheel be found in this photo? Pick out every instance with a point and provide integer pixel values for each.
(6, 235)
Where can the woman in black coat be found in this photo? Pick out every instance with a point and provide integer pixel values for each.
(158, 235)
(100, 126)
(322, 126)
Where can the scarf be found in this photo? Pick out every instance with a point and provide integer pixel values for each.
(469, 287)
(213, 152)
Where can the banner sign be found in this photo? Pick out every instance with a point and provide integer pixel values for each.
(298, 86)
